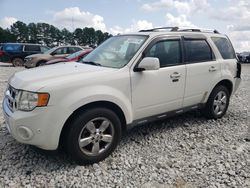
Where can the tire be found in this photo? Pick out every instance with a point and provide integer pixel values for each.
(41, 63)
(217, 103)
(89, 130)
(17, 62)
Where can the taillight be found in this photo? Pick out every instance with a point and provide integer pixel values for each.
(1, 53)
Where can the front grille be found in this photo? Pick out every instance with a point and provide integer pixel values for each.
(11, 95)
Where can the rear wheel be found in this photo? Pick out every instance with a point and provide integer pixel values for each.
(217, 103)
(94, 134)
(17, 62)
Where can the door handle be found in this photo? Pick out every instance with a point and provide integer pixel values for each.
(212, 69)
(175, 75)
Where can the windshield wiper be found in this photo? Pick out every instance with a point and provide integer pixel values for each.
(91, 63)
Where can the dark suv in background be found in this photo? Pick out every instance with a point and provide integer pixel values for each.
(16, 52)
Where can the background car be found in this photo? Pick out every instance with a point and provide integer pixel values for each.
(36, 60)
(244, 57)
(73, 57)
(16, 52)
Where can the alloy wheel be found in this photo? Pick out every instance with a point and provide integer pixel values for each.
(96, 136)
(220, 103)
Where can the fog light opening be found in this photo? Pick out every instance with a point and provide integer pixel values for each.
(25, 133)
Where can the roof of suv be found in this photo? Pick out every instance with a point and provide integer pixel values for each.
(176, 31)
(21, 43)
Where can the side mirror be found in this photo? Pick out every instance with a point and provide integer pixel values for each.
(148, 63)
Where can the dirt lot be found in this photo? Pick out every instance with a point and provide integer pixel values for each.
(184, 151)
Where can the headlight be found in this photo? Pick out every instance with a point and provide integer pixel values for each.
(27, 59)
(27, 101)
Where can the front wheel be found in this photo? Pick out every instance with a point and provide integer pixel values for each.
(94, 134)
(17, 62)
(217, 103)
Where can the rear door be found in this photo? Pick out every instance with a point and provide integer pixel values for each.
(203, 71)
(30, 49)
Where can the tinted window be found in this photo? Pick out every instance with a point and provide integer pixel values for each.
(73, 50)
(32, 48)
(197, 51)
(12, 47)
(225, 47)
(168, 52)
(60, 51)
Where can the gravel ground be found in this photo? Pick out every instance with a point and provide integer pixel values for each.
(184, 151)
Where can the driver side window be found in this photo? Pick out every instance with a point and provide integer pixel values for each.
(168, 52)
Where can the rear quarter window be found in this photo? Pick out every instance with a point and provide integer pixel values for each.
(225, 47)
(12, 47)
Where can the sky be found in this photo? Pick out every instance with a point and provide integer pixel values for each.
(231, 17)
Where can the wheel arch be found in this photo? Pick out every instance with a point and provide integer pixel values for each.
(40, 61)
(227, 83)
(14, 57)
(107, 104)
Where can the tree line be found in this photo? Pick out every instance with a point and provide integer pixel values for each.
(49, 35)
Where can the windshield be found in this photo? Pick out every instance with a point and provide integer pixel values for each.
(74, 55)
(116, 51)
(50, 51)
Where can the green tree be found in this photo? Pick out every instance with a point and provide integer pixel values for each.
(20, 30)
(50, 35)
(67, 37)
(32, 33)
(89, 36)
(6, 36)
(78, 36)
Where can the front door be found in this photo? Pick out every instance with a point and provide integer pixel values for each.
(159, 91)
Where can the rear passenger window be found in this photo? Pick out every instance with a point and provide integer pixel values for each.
(225, 47)
(168, 52)
(73, 50)
(60, 51)
(32, 48)
(197, 51)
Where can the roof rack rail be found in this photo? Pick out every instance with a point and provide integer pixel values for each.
(160, 28)
(184, 29)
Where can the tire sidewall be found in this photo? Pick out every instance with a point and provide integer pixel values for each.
(77, 125)
(41, 63)
(17, 64)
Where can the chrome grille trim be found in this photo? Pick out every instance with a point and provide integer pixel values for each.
(11, 94)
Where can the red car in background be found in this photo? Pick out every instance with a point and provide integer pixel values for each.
(73, 57)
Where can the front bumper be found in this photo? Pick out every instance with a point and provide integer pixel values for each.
(29, 63)
(33, 128)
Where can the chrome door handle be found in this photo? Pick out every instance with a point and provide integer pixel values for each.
(175, 75)
(212, 69)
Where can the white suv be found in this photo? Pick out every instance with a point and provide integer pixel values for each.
(128, 80)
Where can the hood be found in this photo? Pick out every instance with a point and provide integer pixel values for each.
(37, 78)
(38, 55)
